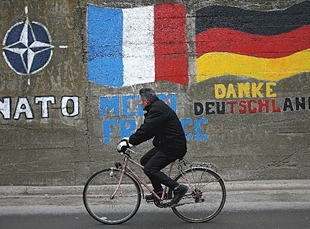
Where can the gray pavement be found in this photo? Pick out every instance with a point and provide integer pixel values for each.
(241, 195)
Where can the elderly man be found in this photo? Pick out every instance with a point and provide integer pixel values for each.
(162, 123)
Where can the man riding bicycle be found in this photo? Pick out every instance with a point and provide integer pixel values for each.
(162, 123)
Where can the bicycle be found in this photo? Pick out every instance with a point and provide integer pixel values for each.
(113, 195)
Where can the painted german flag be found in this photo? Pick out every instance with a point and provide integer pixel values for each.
(266, 45)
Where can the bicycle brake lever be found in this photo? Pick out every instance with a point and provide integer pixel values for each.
(130, 150)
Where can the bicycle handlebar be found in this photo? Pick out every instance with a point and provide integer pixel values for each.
(127, 152)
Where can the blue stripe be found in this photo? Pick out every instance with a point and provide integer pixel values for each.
(105, 39)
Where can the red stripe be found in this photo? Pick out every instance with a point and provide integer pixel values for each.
(170, 43)
(228, 40)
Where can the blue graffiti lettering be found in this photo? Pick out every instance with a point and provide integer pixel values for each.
(198, 129)
(107, 129)
(128, 106)
(187, 122)
(107, 103)
(127, 127)
(127, 101)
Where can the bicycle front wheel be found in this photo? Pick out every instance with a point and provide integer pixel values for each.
(102, 205)
(205, 197)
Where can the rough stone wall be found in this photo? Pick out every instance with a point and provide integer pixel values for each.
(236, 72)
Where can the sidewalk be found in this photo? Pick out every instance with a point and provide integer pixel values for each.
(240, 195)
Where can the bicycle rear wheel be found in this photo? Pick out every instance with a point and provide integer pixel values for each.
(205, 197)
(98, 191)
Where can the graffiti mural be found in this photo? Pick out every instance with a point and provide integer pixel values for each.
(268, 45)
(148, 44)
(122, 106)
(235, 72)
(138, 45)
(262, 45)
(24, 107)
(27, 47)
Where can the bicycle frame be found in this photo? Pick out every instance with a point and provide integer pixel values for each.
(140, 181)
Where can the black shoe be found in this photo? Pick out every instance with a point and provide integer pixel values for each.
(178, 194)
(151, 197)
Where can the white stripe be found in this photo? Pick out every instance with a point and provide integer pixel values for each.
(138, 45)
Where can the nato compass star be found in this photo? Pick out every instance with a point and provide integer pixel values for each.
(28, 47)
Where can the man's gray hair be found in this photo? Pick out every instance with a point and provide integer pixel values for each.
(148, 94)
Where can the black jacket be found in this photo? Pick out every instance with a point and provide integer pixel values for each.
(162, 123)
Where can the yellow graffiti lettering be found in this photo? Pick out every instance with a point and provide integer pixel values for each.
(256, 90)
(245, 90)
(269, 90)
(219, 91)
(231, 91)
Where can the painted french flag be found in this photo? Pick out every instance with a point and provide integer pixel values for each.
(137, 45)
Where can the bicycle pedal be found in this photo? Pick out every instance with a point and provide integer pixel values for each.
(201, 200)
(165, 203)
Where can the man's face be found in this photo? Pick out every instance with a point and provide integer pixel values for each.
(144, 103)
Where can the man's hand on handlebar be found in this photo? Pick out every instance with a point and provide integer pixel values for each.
(123, 145)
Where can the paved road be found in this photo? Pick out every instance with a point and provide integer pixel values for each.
(165, 219)
(252, 204)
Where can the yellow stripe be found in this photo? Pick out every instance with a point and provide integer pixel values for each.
(217, 64)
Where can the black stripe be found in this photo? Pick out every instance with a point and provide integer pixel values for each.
(255, 22)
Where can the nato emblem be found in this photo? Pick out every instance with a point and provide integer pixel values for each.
(27, 47)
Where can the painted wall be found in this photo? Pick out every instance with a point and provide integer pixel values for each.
(236, 73)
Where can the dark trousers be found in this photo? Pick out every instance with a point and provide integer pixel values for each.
(154, 161)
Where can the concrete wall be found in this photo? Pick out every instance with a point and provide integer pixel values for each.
(236, 72)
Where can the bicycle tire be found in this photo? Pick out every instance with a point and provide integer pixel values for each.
(209, 199)
(100, 187)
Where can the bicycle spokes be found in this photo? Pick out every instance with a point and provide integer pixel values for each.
(206, 199)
